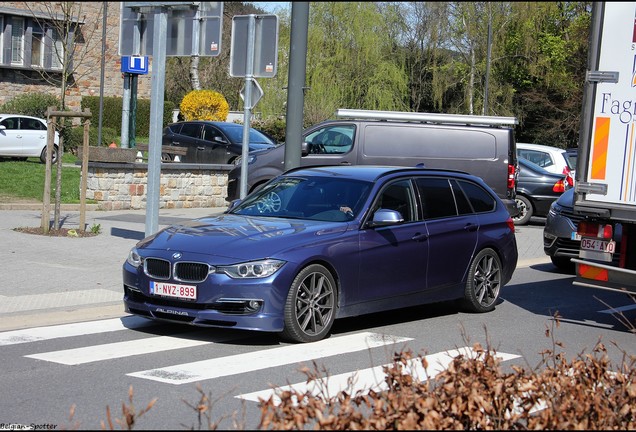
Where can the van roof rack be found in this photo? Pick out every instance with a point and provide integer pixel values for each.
(427, 117)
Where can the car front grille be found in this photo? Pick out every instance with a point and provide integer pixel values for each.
(184, 271)
(569, 213)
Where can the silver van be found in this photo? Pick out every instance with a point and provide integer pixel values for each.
(480, 145)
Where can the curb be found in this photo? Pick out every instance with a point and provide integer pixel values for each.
(36, 206)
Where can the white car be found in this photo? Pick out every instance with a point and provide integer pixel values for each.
(24, 136)
(551, 159)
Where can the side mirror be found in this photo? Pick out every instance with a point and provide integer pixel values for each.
(385, 217)
(233, 204)
(2, 127)
(220, 139)
(304, 149)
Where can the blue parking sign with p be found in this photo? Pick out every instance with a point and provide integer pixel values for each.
(134, 64)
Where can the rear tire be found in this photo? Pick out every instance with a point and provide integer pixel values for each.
(525, 210)
(310, 308)
(53, 155)
(563, 263)
(484, 282)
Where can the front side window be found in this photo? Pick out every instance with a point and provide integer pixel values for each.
(331, 140)
(398, 196)
(17, 41)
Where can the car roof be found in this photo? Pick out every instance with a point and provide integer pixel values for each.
(21, 115)
(532, 146)
(210, 122)
(371, 172)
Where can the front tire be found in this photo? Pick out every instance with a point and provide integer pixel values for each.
(484, 282)
(525, 210)
(310, 307)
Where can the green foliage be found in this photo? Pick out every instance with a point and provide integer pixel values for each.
(204, 105)
(354, 65)
(112, 113)
(272, 126)
(76, 137)
(31, 104)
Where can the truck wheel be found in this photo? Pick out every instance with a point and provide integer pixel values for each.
(525, 210)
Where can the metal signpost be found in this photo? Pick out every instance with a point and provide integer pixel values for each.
(159, 29)
(254, 53)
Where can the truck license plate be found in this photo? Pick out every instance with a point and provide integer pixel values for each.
(597, 245)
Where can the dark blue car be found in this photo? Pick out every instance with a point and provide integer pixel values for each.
(321, 243)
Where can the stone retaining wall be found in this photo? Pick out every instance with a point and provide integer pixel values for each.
(123, 186)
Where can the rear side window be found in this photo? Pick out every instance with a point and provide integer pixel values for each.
(31, 124)
(479, 198)
(540, 158)
(437, 197)
(191, 130)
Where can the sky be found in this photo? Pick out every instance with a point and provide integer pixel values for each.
(271, 7)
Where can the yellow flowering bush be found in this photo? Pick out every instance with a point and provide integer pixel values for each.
(204, 105)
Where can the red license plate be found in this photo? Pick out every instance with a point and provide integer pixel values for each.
(173, 290)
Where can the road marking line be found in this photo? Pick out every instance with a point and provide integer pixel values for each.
(118, 350)
(363, 381)
(75, 329)
(263, 359)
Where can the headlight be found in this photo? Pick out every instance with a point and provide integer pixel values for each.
(134, 259)
(237, 161)
(252, 269)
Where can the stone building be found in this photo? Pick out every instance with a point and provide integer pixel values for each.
(32, 48)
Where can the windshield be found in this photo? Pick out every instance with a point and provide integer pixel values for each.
(235, 134)
(315, 198)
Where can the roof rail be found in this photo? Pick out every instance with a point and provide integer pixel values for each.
(427, 117)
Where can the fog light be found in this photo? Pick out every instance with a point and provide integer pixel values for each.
(254, 305)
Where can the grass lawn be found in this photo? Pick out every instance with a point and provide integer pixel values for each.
(23, 181)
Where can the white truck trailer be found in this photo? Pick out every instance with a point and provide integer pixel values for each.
(605, 186)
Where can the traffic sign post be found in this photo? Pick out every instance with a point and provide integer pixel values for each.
(254, 53)
(160, 29)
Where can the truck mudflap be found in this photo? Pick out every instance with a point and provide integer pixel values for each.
(608, 277)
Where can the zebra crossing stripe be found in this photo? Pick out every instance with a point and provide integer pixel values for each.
(75, 329)
(363, 381)
(263, 359)
(119, 349)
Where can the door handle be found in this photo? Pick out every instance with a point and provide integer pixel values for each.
(345, 163)
(420, 237)
(471, 227)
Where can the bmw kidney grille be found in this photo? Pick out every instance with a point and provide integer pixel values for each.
(184, 271)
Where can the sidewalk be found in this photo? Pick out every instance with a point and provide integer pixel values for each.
(54, 280)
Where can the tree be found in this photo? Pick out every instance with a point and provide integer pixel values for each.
(63, 27)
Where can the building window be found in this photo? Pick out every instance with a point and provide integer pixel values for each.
(57, 56)
(37, 47)
(17, 41)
